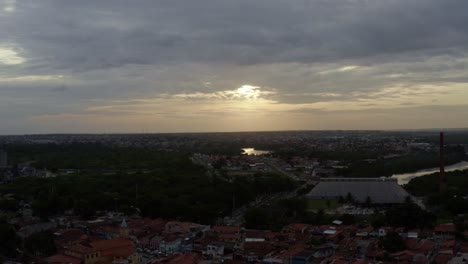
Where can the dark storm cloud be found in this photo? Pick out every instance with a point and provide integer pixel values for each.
(87, 34)
(59, 89)
(297, 51)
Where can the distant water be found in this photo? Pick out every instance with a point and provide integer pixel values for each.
(406, 177)
(252, 151)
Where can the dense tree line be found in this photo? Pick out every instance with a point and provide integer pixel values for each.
(453, 201)
(295, 210)
(94, 157)
(404, 164)
(392, 242)
(407, 215)
(9, 242)
(12, 246)
(285, 211)
(184, 192)
(457, 184)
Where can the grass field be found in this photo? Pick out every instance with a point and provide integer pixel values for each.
(313, 205)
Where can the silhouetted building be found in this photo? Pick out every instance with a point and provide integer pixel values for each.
(379, 190)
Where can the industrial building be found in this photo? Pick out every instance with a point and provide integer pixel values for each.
(379, 190)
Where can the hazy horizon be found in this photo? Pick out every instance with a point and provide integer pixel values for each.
(225, 66)
(434, 130)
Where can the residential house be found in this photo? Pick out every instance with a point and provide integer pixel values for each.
(445, 231)
(65, 237)
(170, 245)
(304, 257)
(296, 228)
(215, 250)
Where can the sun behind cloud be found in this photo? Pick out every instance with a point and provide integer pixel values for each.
(248, 91)
(245, 93)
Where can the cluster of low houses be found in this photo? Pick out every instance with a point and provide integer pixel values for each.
(251, 164)
(159, 241)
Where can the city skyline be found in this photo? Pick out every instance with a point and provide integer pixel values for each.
(218, 66)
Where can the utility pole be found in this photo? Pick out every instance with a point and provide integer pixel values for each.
(136, 195)
(233, 203)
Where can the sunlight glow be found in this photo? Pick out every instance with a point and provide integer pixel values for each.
(10, 57)
(29, 78)
(248, 91)
(348, 68)
(245, 92)
(9, 6)
(342, 69)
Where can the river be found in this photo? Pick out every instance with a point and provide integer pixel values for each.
(252, 151)
(406, 177)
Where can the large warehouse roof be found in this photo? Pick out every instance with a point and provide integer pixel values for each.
(380, 190)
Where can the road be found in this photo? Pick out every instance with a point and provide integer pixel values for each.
(281, 171)
(237, 218)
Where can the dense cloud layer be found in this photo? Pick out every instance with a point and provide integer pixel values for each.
(65, 57)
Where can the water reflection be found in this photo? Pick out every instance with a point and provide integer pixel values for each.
(406, 177)
(252, 151)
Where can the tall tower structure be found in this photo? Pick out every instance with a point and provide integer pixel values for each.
(123, 229)
(442, 176)
(3, 159)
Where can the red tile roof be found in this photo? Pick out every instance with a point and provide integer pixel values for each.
(63, 237)
(366, 229)
(80, 249)
(226, 229)
(108, 229)
(464, 247)
(339, 261)
(188, 258)
(62, 232)
(445, 228)
(425, 246)
(111, 243)
(123, 252)
(448, 244)
(59, 259)
(296, 227)
(228, 236)
(146, 225)
(442, 258)
(359, 261)
(256, 234)
(411, 243)
(230, 261)
(296, 249)
(420, 258)
(179, 227)
(118, 247)
(253, 245)
(170, 238)
(404, 255)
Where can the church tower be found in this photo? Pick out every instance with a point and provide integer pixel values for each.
(123, 229)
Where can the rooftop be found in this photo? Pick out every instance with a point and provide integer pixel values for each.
(380, 190)
(63, 259)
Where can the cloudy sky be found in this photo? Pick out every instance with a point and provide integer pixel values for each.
(111, 66)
